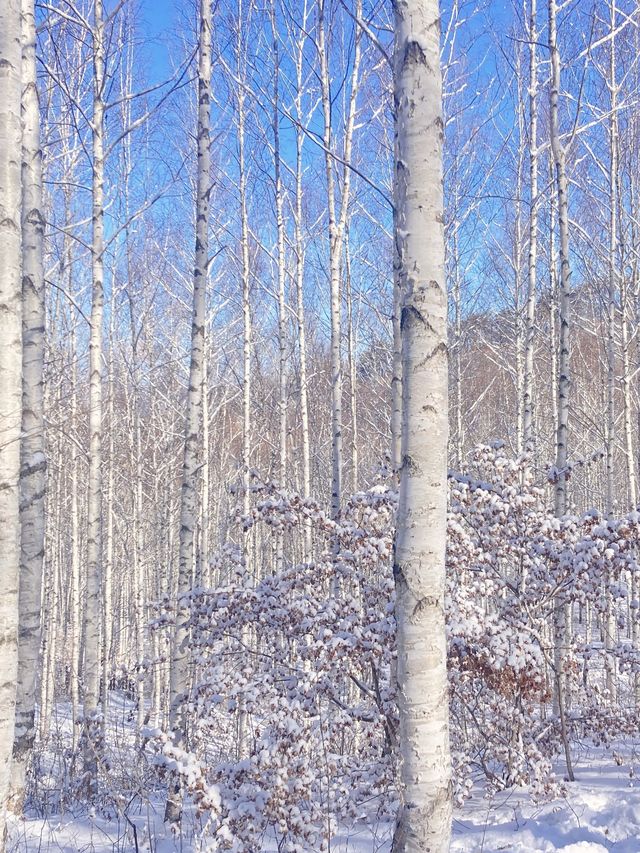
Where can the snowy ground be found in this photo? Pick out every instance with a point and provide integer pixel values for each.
(600, 813)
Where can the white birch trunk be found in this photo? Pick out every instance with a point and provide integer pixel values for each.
(561, 628)
(189, 496)
(300, 314)
(282, 306)
(527, 425)
(424, 820)
(10, 379)
(92, 612)
(610, 618)
(33, 464)
(337, 222)
(351, 359)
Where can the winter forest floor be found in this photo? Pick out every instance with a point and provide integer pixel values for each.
(599, 812)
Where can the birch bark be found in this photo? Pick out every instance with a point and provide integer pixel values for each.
(561, 626)
(424, 820)
(337, 222)
(32, 457)
(92, 612)
(10, 379)
(300, 312)
(527, 426)
(188, 509)
(610, 627)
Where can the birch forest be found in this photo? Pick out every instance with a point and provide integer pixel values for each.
(319, 426)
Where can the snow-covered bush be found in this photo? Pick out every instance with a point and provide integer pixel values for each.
(292, 710)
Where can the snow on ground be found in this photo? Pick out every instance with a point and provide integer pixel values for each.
(599, 814)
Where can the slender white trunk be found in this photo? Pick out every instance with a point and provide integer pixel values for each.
(206, 473)
(92, 611)
(553, 305)
(561, 628)
(300, 314)
(610, 618)
(74, 650)
(282, 307)
(107, 602)
(351, 358)
(10, 379)
(457, 362)
(337, 222)
(247, 343)
(527, 426)
(424, 820)
(188, 505)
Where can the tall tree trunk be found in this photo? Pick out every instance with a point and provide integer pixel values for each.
(92, 611)
(10, 379)
(610, 618)
(247, 343)
(189, 495)
(337, 222)
(533, 236)
(300, 313)
(282, 306)
(561, 626)
(33, 463)
(351, 359)
(424, 820)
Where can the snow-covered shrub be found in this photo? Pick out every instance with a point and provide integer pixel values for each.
(511, 563)
(292, 710)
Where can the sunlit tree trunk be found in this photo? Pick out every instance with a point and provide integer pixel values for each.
(300, 311)
(10, 379)
(351, 359)
(33, 463)
(282, 306)
(562, 627)
(188, 509)
(610, 616)
(92, 608)
(337, 222)
(424, 820)
(527, 426)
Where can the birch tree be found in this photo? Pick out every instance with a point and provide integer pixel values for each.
(561, 626)
(92, 611)
(527, 425)
(189, 494)
(337, 216)
(32, 473)
(10, 378)
(424, 820)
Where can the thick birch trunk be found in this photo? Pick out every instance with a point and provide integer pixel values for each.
(10, 379)
(424, 820)
(33, 464)
(188, 507)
